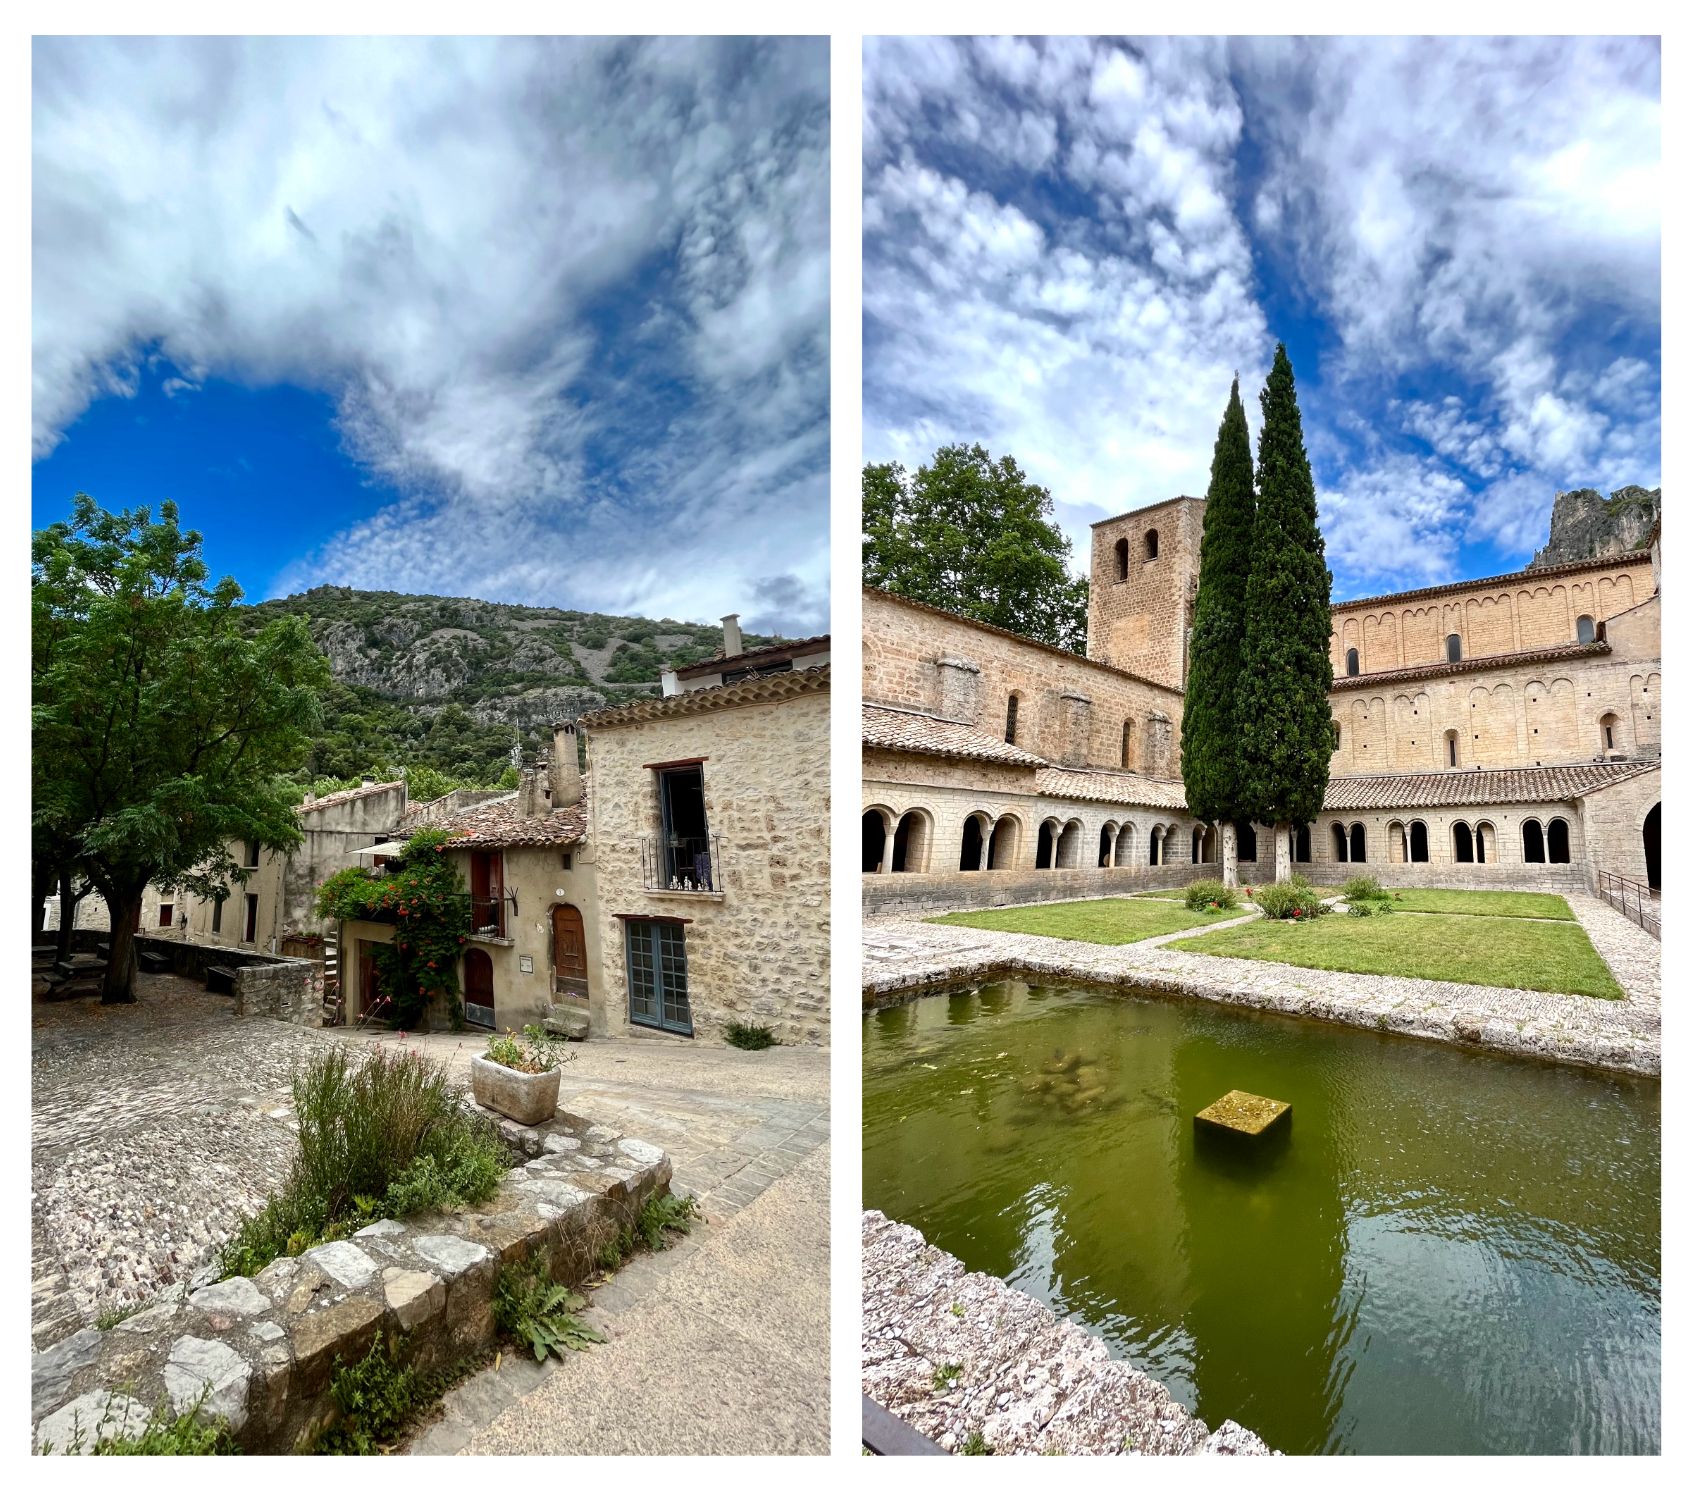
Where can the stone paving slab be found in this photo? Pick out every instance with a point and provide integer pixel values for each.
(956, 1353)
(904, 958)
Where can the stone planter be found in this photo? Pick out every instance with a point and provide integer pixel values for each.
(523, 1097)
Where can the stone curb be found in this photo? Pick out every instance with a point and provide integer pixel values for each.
(263, 1349)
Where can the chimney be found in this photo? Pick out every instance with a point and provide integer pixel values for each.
(732, 635)
(564, 774)
(529, 799)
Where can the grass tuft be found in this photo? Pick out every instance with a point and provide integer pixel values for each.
(749, 1036)
(1111, 922)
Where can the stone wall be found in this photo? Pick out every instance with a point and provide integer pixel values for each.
(758, 948)
(933, 894)
(1518, 613)
(265, 1348)
(1028, 1382)
(1068, 708)
(291, 991)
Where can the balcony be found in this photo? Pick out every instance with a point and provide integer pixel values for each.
(674, 865)
(488, 917)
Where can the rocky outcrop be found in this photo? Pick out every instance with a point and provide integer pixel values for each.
(1586, 525)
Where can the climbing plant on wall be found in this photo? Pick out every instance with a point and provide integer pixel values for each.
(430, 912)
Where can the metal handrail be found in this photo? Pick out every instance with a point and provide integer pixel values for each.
(884, 1434)
(1618, 889)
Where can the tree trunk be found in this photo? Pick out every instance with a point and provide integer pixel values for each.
(1230, 855)
(124, 907)
(41, 888)
(1284, 856)
(69, 899)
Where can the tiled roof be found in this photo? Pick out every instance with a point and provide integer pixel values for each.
(1474, 664)
(1477, 788)
(905, 729)
(772, 688)
(775, 652)
(334, 799)
(1150, 507)
(1517, 576)
(1027, 641)
(1123, 787)
(499, 824)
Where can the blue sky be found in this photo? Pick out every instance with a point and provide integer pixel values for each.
(541, 321)
(1072, 245)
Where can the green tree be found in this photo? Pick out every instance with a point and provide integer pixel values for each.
(163, 727)
(1211, 765)
(974, 535)
(1282, 708)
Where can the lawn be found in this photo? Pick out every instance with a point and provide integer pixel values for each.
(1497, 952)
(1108, 922)
(1485, 903)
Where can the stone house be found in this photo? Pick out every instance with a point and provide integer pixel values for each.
(1494, 732)
(709, 819)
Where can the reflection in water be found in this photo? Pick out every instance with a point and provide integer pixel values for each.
(1442, 1252)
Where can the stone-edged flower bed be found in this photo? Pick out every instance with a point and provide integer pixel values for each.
(259, 1352)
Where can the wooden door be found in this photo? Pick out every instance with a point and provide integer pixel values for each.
(570, 953)
(478, 988)
(370, 990)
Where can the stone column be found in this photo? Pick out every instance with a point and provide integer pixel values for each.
(1284, 859)
(888, 848)
(987, 843)
(1230, 855)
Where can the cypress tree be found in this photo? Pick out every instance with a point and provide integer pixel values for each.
(1282, 707)
(1210, 734)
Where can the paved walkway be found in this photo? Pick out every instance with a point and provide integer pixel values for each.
(902, 957)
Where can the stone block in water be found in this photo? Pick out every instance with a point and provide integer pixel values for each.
(1243, 1113)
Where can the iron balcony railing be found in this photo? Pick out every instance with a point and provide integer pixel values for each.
(673, 862)
(1635, 899)
(488, 915)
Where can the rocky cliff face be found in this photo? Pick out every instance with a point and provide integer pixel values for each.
(502, 664)
(1586, 525)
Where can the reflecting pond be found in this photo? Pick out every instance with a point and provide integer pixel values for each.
(1444, 1252)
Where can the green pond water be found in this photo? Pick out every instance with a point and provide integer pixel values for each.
(1445, 1252)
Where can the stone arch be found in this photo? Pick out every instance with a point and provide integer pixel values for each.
(1557, 841)
(1151, 543)
(1396, 843)
(1246, 843)
(1120, 551)
(1046, 845)
(1451, 755)
(1003, 842)
(1454, 647)
(1486, 843)
(1123, 850)
(876, 821)
(1070, 845)
(1128, 744)
(973, 843)
(1156, 842)
(913, 838)
(1534, 841)
(1302, 844)
(1649, 842)
(1584, 629)
(1463, 844)
(1351, 662)
(1611, 733)
(1417, 842)
(1107, 843)
(1342, 845)
(1012, 705)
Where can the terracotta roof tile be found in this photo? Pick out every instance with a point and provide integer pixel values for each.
(906, 729)
(1478, 788)
(334, 799)
(772, 688)
(1122, 787)
(774, 652)
(1529, 576)
(499, 824)
(1474, 664)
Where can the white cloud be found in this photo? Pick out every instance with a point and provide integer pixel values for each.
(494, 256)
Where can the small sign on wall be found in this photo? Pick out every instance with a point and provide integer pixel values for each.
(525, 963)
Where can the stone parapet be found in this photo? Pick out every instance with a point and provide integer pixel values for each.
(1027, 1381)
(262, 1350)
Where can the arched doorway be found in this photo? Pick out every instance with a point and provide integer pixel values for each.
(1002, 843)
(1045, 844)
(478, 989)
(970, 846)
(1649, 841)
(875, 840)
(570, 954)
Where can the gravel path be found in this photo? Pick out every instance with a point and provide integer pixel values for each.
(904, 958)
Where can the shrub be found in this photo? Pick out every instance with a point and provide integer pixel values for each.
(534, 1311)
(381, 1135)
(1358, 908)
(536, 1050)
(1290, 902)
(749, 1036)
(1211, 894)
(664, 1213)
(1363, 887)
(375, 1396)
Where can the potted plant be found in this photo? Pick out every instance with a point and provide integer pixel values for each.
(519, 1074)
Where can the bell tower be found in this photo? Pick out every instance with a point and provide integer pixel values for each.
(1144, 576)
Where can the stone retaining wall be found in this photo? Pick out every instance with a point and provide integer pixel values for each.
(1027, 1381)
(291, 991)
(934, 894)
(264, 1348)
